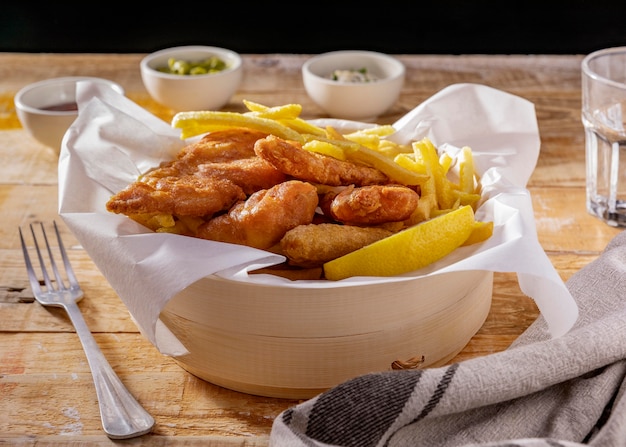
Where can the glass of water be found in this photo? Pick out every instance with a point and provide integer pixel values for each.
(604, 120)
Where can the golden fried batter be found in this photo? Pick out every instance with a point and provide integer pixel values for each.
(290, 158)
(251, 174)
(207, 177)
(312, 245)
(262, 220)
(220, 146)
(182, 196)
(374, 204)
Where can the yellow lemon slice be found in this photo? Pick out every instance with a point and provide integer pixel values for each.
(408, 250)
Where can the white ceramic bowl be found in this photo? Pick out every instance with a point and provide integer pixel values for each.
(192, 92)
(46, 109)
(361, 101)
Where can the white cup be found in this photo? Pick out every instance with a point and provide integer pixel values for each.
(604, 120)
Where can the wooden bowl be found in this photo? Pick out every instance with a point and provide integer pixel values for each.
(297, 342)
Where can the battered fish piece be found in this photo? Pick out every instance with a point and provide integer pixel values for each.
(251, 174)
(312, 245)
(182, 196)
(290, 158)
(263, 219)
(220, 146)
(374, 204)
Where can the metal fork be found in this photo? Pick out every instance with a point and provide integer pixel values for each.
(122, 416)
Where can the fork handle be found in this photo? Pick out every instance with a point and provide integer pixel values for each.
(122, 416)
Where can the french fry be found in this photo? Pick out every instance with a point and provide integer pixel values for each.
(334, 134)
(370, 141)
(345, 145)
(388, 166)
(325, 148)
(303, 127)
(382, 130)
(466, 171)
(428, 153)
(288, 115)
(391, 149)
(427, 204)
(371, 136)
(287, 111)
(408, 161)
(445, 160)
(196, 123)
(467, 198)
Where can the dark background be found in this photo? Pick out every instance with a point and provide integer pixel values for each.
(398, 27)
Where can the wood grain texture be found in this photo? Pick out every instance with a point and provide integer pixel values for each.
(46, 390)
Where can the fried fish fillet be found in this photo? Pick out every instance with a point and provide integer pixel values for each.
(263, 219)
(220, 146)
(207, 177)
(290, 158)
(251, 174)
(312, 245)
(373, 205)
(182, 196)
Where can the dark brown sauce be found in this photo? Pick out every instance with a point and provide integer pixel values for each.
(65, 107)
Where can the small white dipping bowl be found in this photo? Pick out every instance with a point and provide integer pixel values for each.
(362, 101)
(46, 109)
(192, 92)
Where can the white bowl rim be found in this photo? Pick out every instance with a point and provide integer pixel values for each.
(235, 59)
(399, 67)
(20, 104)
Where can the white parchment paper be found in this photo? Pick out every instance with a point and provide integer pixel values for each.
(113, 140)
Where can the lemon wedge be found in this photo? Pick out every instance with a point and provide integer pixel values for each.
(408, 250)
(480, 233)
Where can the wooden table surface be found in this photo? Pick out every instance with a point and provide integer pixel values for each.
(46, 391)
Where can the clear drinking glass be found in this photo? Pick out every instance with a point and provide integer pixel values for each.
(604, 118)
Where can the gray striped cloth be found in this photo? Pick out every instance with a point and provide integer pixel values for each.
(541, 392)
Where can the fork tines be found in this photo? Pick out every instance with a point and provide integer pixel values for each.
(49, 262)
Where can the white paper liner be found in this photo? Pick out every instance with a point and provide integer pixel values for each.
(113, 140)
